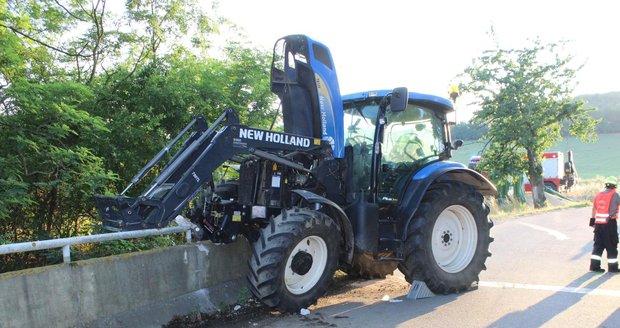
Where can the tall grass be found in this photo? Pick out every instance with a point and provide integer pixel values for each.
(581, 195)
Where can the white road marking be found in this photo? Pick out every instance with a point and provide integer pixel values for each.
(576, 290)
(558, 235)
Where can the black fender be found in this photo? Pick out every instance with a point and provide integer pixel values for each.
(340, 217)
(442, 171)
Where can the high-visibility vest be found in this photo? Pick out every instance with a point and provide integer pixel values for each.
(601, 207)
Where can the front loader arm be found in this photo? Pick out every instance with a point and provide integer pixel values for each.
(191, 168)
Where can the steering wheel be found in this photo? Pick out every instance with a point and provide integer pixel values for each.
(419, 151)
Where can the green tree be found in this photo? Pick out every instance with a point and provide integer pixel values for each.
(167, 23)
(86, 38)
(525, 96)
(88, 96)
(145, 111)
(37, 29)
(48, 174)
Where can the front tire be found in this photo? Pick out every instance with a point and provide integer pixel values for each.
(448, 239)
(294, 260)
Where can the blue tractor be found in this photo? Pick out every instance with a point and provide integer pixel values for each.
(359, 182)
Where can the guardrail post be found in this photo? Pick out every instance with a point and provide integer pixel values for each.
(66, 254)
(188, 236)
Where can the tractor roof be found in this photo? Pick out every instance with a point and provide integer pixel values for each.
(430, 101)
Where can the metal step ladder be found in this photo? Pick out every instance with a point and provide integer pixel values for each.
(390, 242)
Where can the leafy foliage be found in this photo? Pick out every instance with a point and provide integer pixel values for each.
(145, 112)
(88, 96)
(49, 173)
(607, 112)
(524, 95)
(116, 247)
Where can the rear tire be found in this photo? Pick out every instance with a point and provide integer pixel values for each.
(448, 239)
(294, 260)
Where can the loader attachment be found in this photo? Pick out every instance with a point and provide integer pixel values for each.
(304, 77)
(202, 151)
(180, 180)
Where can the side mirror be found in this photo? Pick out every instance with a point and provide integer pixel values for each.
(399, 99)
(457, 144)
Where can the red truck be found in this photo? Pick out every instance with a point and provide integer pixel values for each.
(557, 173)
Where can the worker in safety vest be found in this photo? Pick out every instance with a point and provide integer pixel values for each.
(604, 219)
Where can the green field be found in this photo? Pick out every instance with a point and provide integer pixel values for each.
(601, 158)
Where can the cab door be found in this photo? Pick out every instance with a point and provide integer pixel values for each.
(411, 139)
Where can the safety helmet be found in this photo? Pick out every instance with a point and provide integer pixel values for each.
(611, 181)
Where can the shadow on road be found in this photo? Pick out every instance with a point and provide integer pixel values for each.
(543, 311)
(378, 314)
(585, 250)
(613, 320)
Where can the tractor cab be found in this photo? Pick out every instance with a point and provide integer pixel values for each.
(407, 139)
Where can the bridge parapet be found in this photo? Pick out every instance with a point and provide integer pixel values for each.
(144, 289)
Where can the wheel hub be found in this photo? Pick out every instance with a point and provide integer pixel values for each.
(454, 238)
(446, 238)
(302, 262)
(305, 265)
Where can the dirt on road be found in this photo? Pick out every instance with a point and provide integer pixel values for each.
(344, 289)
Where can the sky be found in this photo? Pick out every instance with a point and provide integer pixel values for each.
(424, 45)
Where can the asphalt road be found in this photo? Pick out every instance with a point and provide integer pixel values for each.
(537, 277)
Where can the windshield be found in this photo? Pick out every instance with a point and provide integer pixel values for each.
(410, 139)
(412, 135)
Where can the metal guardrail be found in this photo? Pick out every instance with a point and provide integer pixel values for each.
(65, 243)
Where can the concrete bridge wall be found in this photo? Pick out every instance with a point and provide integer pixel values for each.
(144, 289)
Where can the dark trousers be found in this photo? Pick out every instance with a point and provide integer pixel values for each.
(605, 238)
